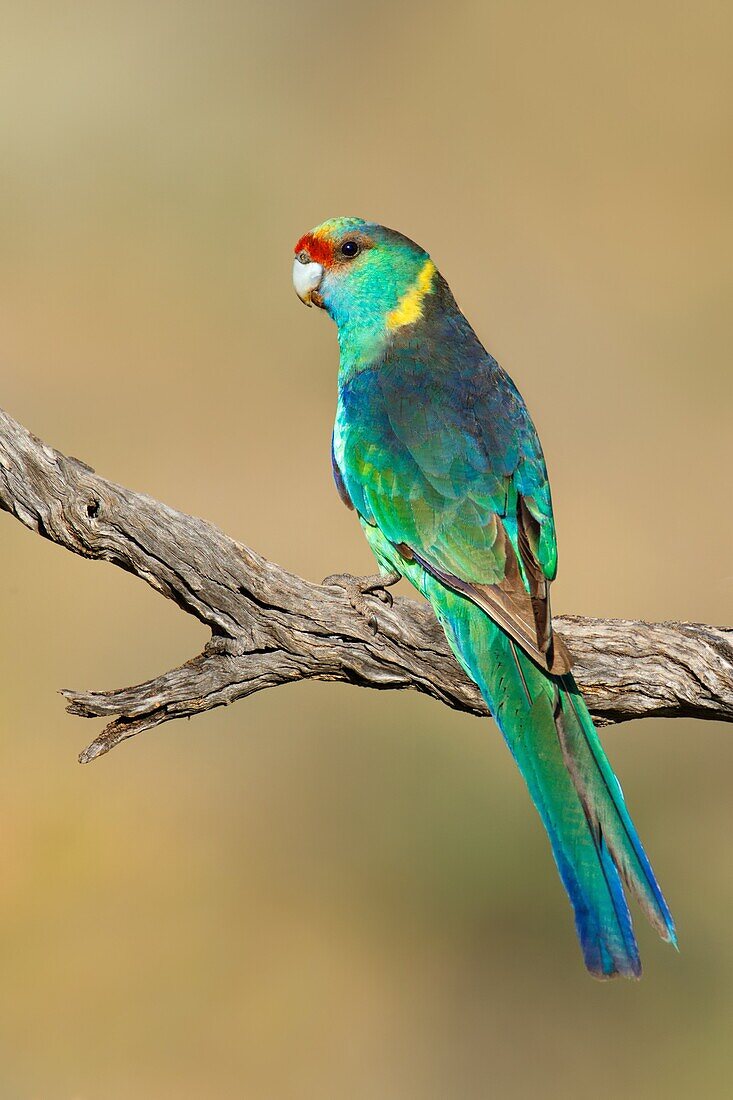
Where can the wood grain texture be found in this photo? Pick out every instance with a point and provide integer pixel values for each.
(270, 627)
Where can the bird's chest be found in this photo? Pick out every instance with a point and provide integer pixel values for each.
(361, 443)
(340, 440)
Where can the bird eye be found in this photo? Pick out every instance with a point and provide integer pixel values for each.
(350, 249)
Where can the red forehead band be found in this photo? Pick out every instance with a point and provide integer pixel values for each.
(320, 249)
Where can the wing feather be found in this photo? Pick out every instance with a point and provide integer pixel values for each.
(448, 464)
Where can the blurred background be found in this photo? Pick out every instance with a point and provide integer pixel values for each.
(322, 892)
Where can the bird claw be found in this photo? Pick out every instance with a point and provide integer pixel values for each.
(358, 588)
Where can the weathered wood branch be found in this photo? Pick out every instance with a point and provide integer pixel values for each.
(270, 627)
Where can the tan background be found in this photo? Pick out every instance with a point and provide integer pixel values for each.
(321, 892)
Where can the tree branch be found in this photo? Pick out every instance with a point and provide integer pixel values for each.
(270, 627)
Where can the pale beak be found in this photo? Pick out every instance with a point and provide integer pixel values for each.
(306, 280)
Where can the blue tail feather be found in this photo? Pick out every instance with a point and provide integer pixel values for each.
(547, 727)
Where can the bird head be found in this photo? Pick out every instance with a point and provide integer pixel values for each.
(362, 274)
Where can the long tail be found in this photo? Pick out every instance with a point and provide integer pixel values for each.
(551, 735)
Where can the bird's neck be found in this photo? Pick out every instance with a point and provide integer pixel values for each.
(369, 323)
(361, 347)
(425, 326)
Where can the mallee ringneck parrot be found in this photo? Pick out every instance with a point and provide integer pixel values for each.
(435, 451)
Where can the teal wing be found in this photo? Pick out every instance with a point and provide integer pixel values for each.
(448, 465)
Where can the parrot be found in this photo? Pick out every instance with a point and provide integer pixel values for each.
(435, 451)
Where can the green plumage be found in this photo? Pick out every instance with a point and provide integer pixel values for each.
(434, 448)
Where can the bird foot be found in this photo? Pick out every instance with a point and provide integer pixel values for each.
(358, 588)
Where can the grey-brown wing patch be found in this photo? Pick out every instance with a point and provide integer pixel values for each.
(524, 615)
